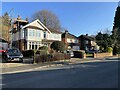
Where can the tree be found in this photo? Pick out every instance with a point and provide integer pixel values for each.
(5, 26)
(58, 46)
(116, 31)
(104, 40)
(6, 19)
(48, 18)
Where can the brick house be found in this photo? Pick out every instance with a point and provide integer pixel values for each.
(87, 42)
(70, 40)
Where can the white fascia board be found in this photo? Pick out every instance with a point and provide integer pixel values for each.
(43, 25)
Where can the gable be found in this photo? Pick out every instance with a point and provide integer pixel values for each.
(36, 24)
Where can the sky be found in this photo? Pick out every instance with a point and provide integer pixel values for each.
(77, 17)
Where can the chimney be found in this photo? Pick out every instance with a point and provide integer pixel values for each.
(26, 19)
(19, 18)
(66, 31)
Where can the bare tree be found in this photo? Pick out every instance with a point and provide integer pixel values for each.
(48, 18)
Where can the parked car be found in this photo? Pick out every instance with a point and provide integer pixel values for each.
(2, 50)
(13, 54)
(71, 53)
(92, 51)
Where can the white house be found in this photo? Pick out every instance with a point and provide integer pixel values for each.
(33, 35)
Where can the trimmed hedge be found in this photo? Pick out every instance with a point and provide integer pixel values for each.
(51, 57)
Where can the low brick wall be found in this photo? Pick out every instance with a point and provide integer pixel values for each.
(100, 55)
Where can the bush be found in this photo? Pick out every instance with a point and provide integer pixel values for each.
(51, 57)
(79, 54)
(43, 48)
(58, 46)
(109, 49)
(42, 52)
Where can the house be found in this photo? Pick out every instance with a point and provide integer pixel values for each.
(87, 43)
(71, 41)
(33, 35)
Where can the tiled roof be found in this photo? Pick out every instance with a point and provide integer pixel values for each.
(68, 35)
(55, 31)
(87, 37)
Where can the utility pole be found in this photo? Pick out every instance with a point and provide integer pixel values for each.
(11, 29)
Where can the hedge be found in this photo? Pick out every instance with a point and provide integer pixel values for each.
(51, 57)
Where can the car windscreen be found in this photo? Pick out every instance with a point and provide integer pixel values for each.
(13, 52)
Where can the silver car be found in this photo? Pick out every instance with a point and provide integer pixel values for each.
(71, 53)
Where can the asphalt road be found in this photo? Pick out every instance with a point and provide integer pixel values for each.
(86, 75)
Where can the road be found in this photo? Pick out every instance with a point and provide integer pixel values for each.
(85, 75)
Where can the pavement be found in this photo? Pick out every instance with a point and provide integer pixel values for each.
(8, 68)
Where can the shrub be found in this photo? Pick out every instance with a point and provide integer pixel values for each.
(58, 46)
(43, 48)
(109, 49)
(51, 57)
(42, 52)
(79, 54)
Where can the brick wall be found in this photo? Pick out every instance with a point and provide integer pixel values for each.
(100, 55)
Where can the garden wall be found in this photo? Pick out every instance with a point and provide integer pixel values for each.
(100, 55)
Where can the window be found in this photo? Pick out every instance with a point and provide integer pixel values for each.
(30, 33)
(76, 41)
(86, 42)
(44, 35)
(37, 33)
(33, 33)
(26, 32)
(23, 33)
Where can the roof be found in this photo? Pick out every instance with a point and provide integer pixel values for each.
(87, 37)
(55, 31)
(37, 24)
(68, 35)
